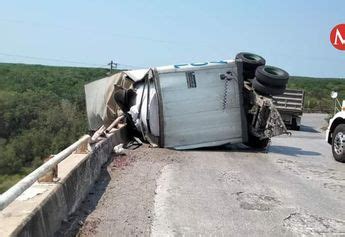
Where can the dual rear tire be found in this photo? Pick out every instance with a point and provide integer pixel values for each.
(266, 80)
(270, 80)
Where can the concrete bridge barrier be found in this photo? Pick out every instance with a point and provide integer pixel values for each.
(40, 210)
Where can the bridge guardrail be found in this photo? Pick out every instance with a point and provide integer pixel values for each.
(11, 194)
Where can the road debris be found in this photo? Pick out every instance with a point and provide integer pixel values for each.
(119, 150)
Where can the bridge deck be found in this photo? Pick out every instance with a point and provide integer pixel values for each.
(295, 188)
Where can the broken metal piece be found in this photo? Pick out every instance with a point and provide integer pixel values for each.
(266, 120)
(119, 150)
(97, 134)
(114, 123)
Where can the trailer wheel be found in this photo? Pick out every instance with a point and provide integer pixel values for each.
(294, 125)
(256, 142)
(271, 76)
(250, 63)
(267, 90)
(338, 143)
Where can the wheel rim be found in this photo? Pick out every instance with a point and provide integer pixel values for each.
(339, 143)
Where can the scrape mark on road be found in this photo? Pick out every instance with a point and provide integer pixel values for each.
(307, 224)
(258, 202)
(160, 225)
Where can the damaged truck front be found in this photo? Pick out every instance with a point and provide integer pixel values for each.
(187, 106)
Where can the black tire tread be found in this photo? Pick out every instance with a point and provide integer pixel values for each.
(267, 90)
(269, 79)
(249, 66)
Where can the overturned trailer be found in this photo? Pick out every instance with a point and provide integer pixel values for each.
(187, 106)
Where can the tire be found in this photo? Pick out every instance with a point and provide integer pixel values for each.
(271, 76)
(294, 125)
(267, 90)
(256, 142)
(338, 143)
(250, 63)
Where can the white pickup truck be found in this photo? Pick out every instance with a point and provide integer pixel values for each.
(335, 134)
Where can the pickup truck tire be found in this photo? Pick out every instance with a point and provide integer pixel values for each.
(271, 76)
(250, 63)
(338, 143)
(267, 90)
(256, 142)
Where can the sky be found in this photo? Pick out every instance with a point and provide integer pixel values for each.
(293, 35)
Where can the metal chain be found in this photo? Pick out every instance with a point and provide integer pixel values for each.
(225, 98)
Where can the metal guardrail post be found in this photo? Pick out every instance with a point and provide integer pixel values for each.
(11, 194)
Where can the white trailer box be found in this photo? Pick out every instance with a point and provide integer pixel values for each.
(201, 105)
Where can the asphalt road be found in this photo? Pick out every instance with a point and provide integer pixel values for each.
(294, 188)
